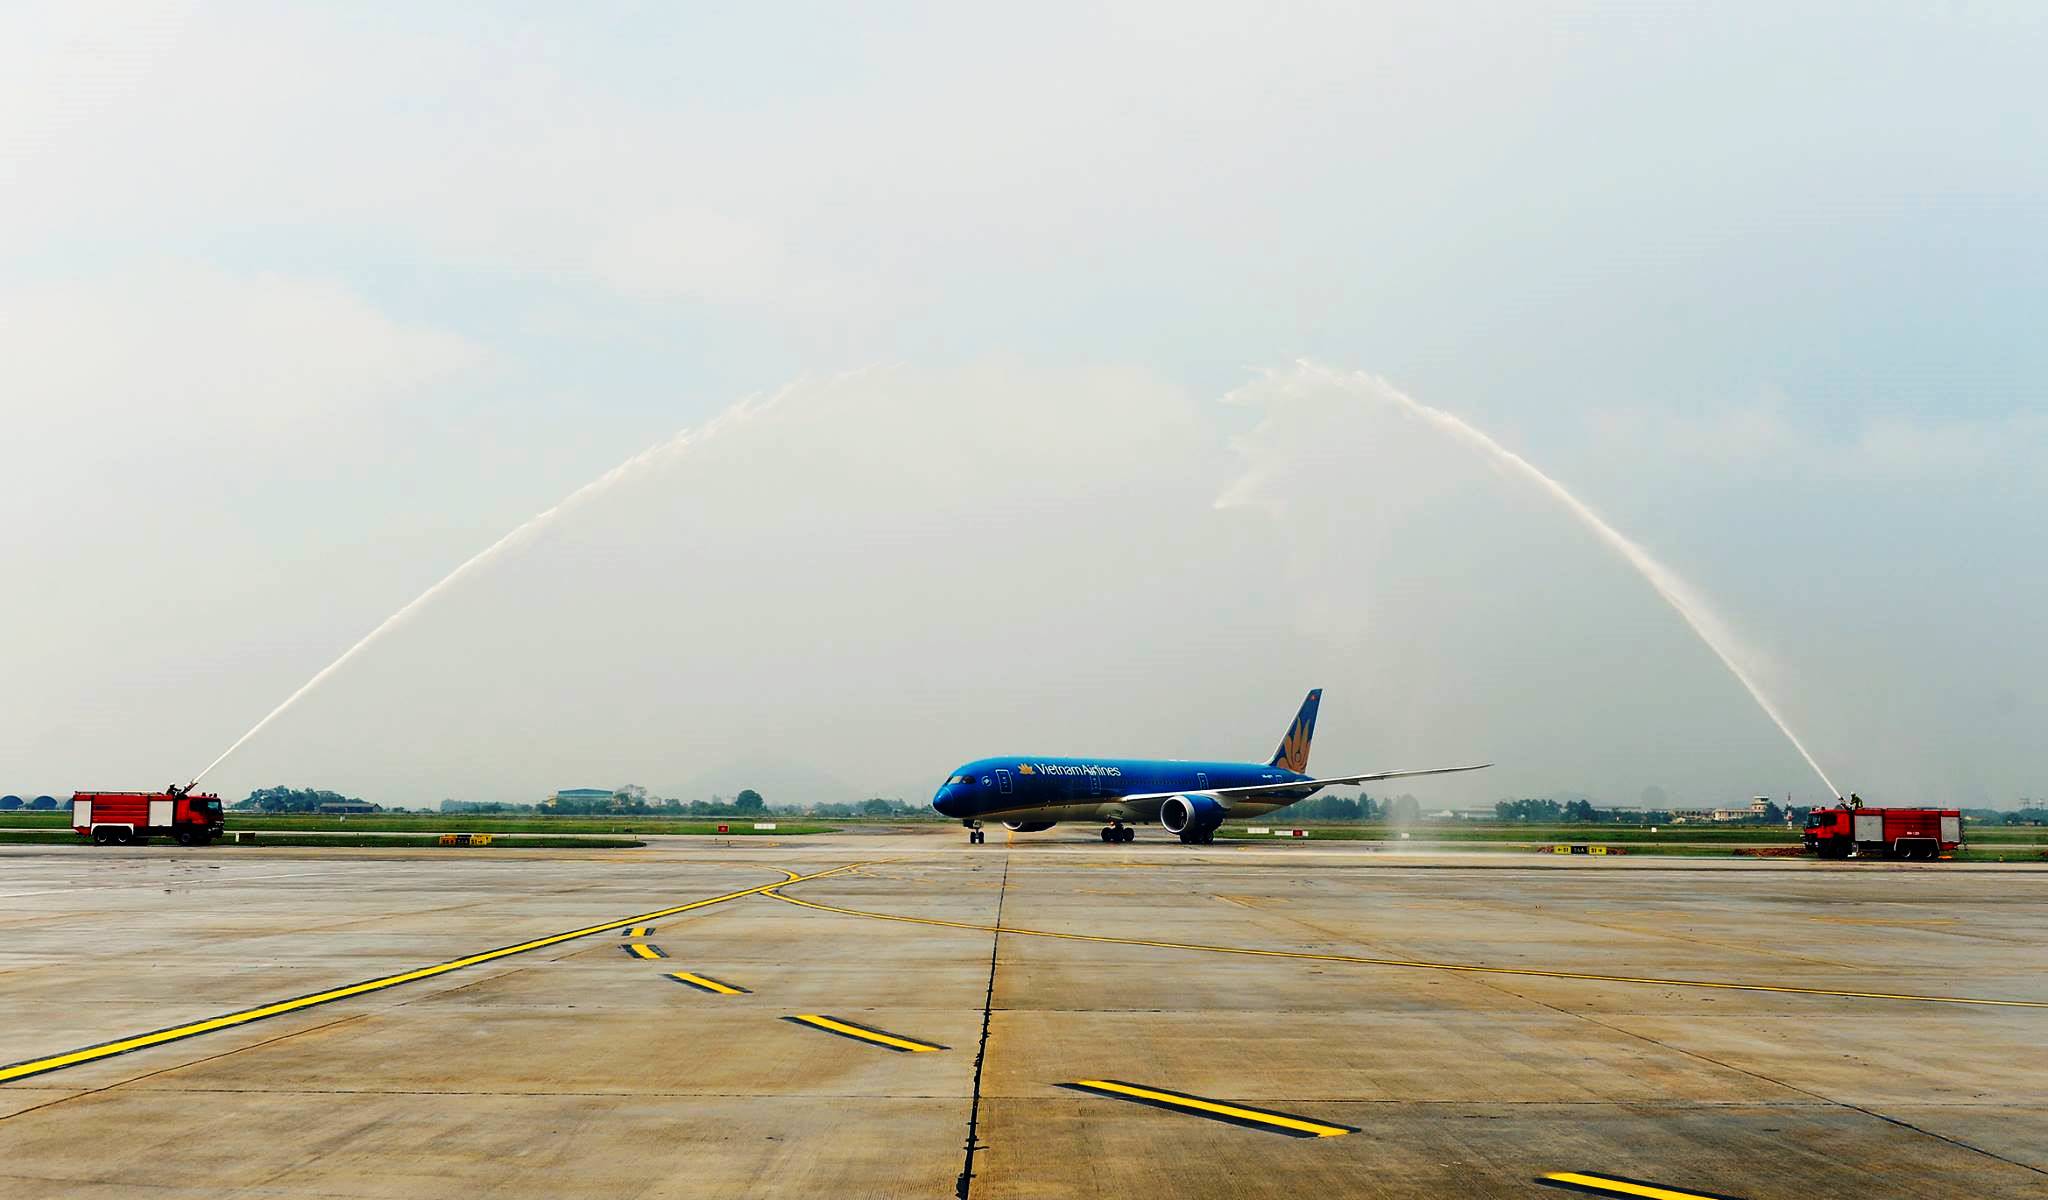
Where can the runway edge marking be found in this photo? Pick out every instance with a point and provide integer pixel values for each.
(142, 1041)
(773, 890)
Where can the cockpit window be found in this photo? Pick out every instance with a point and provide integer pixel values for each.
(960, 779)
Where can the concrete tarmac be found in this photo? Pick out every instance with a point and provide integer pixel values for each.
(1288, 1020)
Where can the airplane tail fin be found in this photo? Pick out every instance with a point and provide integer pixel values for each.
(1293, 751)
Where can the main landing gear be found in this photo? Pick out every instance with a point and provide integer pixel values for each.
(1117, 831)
(1197, 837)
(975, 836)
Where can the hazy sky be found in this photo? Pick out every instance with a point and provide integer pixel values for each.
(301, 307)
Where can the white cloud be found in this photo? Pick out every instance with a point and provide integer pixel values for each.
(181, 355)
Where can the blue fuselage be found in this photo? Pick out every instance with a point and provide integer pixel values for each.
(1067, 789)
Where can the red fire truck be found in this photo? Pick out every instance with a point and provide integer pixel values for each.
(1922, 833)
(121, 818)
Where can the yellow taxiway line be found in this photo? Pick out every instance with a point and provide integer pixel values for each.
(141, 1041)
(709, 984)
(1614, 1185)
(1416, 964)
(643, 950)
(1235, 1114)
(863, 1033)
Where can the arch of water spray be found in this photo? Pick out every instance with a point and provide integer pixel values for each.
(653, 454)
(1691, 608)
(1667, 583)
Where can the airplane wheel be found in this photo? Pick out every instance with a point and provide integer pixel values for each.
(1130, 834)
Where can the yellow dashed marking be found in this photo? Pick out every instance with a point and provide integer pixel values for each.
(1615, 1185)
(708, 984)
(863, 1033)
(72, 1058)
(643, 950)
(1217, 1110)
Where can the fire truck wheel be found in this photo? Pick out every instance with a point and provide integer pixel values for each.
(102, 836)
(120, 836)
(185, 838)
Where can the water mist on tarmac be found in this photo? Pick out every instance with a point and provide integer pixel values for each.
(1691, 608)
(646, 458)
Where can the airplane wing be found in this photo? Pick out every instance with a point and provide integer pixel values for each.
(1297, 789)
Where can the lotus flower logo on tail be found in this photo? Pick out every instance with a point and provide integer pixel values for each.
(1293, 752)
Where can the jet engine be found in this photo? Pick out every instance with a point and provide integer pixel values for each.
(1191, 815)
(1028, 826)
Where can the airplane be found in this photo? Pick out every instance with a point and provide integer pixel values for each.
(1190, 799)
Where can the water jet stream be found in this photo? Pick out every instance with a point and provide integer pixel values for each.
(668, 446)
(1676, 592)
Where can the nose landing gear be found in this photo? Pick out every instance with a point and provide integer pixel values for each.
(975, 836)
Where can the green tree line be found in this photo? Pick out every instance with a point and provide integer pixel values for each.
(283, 799)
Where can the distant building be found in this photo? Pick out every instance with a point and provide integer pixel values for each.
(1759, 808)
(349, 808)
(578, 796)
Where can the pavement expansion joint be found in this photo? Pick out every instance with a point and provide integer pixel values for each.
(965, 1182)
(1410, 963)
